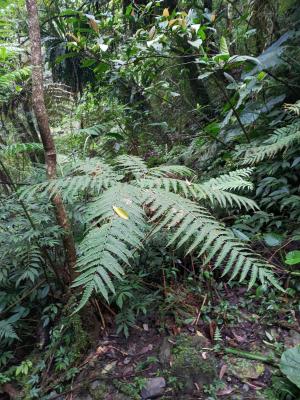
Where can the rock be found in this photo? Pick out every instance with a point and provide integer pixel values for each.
(154, 388)
(245, 369)
(189, 367)
(109, 367)
(95, 384)
(292, 340)
(165, 353)
(200, 341)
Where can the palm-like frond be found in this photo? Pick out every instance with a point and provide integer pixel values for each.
(110, 242)
(280, 140)
(215, 191)
(93, 175)
(197, 228)
(132, 165)
(7, 331)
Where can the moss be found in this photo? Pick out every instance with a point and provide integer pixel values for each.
(81, 342)
(245, 369)
(128, 389)
(99, 392)
(189, 367)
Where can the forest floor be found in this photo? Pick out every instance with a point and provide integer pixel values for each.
(228, 351)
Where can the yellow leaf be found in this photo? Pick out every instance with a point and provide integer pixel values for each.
(120, 212)
(166, 13)
(213, 17)
(182, 22)
(172, 22)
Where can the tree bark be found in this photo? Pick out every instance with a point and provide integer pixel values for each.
(46, 136)
(207, 4)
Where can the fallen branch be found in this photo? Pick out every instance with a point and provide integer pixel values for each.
(251, 356)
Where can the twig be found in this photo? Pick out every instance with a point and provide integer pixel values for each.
(200, 311)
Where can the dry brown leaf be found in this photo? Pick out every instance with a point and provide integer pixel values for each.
(222, 371)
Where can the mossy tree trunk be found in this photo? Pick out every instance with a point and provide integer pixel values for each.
(46, 136)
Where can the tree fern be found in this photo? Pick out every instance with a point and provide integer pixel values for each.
(161, 196)
(280, 140)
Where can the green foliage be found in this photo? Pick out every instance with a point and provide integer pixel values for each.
(293, 257)
(111, 240)
(156, 115)
(290, 365)
(280, 140)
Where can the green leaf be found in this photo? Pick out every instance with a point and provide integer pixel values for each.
(273, 239)
(101, 68)
(290, 365)
(223, 46)
(293, 257)
(65, 56)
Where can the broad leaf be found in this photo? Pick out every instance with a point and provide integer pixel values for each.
(293, 257)
(290, 365)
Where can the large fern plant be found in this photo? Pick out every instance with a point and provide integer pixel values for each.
(126, 203)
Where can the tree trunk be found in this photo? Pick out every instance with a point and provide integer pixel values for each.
(207, 4)
(46, 136)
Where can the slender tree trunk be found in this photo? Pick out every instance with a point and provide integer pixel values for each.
(44, 128)
(207, 4)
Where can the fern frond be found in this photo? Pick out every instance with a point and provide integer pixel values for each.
(107, 247)
(234, 180)
(178, 171)
(18, 148)
(132, 165)
(293, 108)
(280, 140)
(7, 331)
(92, 175)
(197, 228)
(202, 192)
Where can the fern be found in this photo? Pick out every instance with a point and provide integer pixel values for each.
(10, 79)
(196, 227)
(154, 196)
(132, 165)
(110, 240)
(293, 108)
(7, 331)
(92, 175)
(216, 190)
(280, 140)
(18, 148)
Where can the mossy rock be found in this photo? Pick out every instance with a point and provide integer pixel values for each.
(189, 367)
(245, 369)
